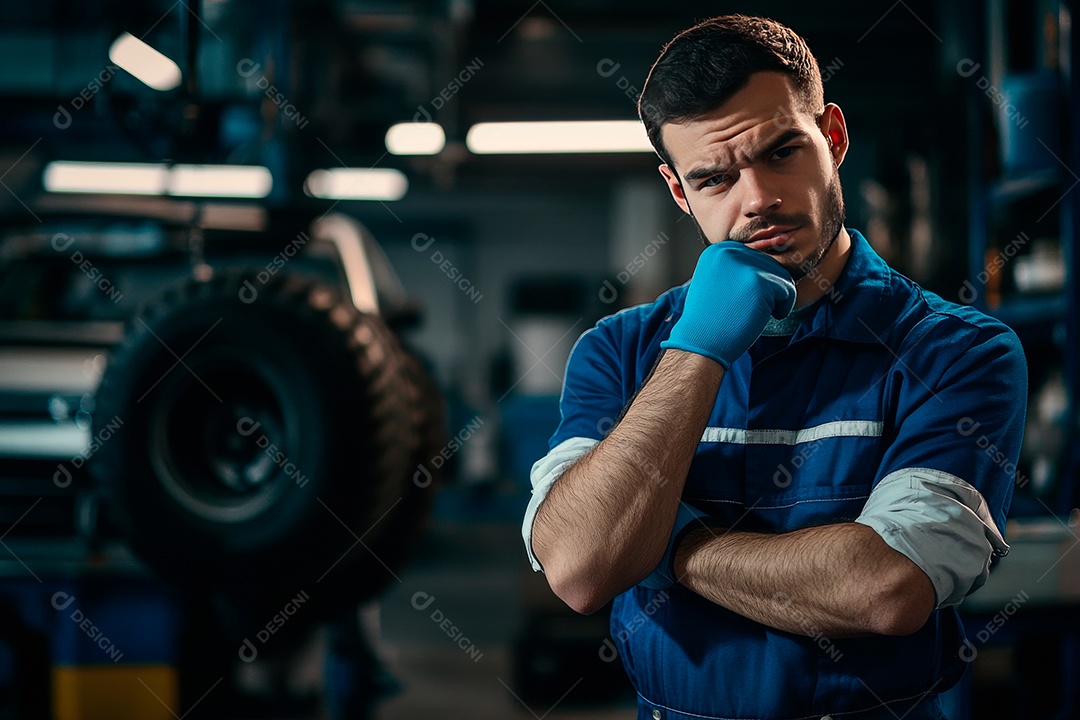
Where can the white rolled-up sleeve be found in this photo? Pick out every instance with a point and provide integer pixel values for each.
(941, 523)
(543, 475)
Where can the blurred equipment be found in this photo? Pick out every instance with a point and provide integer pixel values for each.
(213, 405)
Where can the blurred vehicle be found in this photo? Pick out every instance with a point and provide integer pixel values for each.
(216, 402)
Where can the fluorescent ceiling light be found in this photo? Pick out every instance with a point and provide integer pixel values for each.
(357, 184)
(144, 62)
(415, 139)
(246, 181)
(570, 136)
(127, 178)
(250, 181)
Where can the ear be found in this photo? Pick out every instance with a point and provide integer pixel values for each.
(834, 128)
(675, 187)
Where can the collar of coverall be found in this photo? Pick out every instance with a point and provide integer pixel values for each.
(853, 308)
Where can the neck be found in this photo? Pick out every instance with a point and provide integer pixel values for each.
(817, 282)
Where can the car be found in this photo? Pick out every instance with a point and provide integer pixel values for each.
(218, 399)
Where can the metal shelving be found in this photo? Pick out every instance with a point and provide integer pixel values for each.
(1045, 322)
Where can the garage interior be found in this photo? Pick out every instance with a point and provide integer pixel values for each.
(285, 306)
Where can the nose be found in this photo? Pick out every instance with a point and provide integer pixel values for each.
(758, 195)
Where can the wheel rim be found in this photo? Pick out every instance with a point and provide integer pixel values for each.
(219, 442)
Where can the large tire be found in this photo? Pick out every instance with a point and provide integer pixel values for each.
(396, 537)
(207, 382)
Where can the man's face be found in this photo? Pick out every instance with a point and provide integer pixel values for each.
(760, 170)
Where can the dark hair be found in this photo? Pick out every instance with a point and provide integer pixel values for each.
(704, 66)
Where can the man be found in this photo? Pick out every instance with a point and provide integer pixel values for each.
(778, 471)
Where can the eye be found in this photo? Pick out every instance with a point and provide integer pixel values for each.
(717, 181)
(784, 153)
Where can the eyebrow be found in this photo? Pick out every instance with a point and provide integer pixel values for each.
(783, 139)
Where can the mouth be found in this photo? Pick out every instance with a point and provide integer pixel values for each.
(772, 238)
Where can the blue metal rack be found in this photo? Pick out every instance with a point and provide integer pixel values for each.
(1041, 320)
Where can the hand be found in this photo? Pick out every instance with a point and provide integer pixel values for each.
(686, 519)
(733, 293)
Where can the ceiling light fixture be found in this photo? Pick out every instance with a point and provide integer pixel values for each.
(564, 136)
(415, 139)
(357, 184)
(239, 181)
(144, 62)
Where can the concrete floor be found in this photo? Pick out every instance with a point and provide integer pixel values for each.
(454, 657)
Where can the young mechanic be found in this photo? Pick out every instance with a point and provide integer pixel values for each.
(780, 470)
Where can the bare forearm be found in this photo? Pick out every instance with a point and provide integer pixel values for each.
(832, 580)
(605, 523)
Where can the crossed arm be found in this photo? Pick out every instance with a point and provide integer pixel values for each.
(605, 525)
(833, 580)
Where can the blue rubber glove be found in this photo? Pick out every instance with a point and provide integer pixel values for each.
(733, 293)
(664, 574)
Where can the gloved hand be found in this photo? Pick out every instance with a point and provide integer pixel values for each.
(664, 574)
(732, 294)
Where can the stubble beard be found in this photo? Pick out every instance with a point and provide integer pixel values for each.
(833, 214)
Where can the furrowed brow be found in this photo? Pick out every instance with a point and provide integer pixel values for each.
(781, 140)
